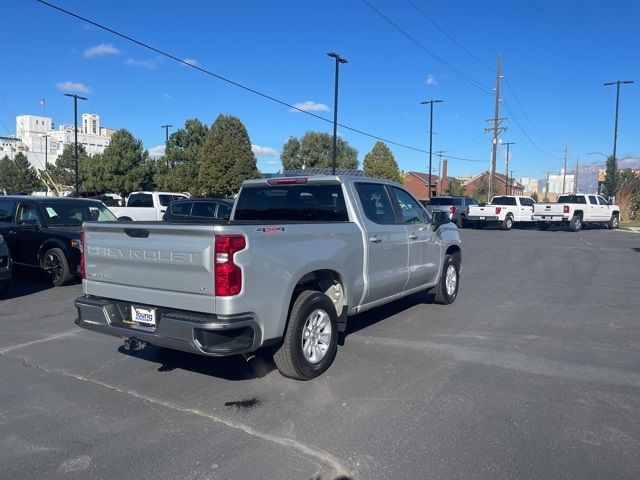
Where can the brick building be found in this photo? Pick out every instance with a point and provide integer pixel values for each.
(416, 183)
(500, 185)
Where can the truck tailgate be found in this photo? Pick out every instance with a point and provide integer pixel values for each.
(151, 263)
(548, 209)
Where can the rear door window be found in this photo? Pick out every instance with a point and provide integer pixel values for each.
(593, 200)
(602, 201)
(27, 215)
(224, 211)
(375, 203)
(181, 208)
(6, 209)
(204, 209)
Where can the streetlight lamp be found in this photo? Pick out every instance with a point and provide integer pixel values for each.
(615, 130)
(430, 102)
(75, 133)
(166, 140)
(339, 60)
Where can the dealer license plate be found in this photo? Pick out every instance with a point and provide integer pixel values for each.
(144, 316)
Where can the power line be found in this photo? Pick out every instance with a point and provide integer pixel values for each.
(517, 122)
(224, 79)
(433, 55)
(491, 69)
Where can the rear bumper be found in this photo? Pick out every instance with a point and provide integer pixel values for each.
(194, 332)
(549, 218)
(478, 218)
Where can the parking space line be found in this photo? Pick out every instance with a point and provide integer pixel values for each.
(40, 340)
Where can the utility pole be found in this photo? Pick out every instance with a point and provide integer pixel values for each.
(75, 133)
(564, 170)
(496, 129)
(546, 189)
(166, 141)
(439, 153)
(575, 177)
(430, 103)
(507, 186)
(615, 131)
(339, 60)
(511, 179)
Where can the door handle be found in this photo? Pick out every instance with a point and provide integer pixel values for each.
(413, 236)
(12, 232)
(375, 239)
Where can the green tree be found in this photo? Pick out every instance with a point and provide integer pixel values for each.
(122, 168)
(481, 191)
(178, 167)
(607, 185)
(290, 155)
(626, 176)
(226, 159)
(534, 196)
(7, 174)
(380, 163)
(315, 150)
(62, 172)
(456, 188)
(24, 176)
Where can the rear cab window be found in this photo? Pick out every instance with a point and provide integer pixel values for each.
(140, 200)
(292, 203)
(503, 201)
(580, 199)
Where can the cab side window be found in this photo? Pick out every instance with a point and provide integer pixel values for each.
(409, 208)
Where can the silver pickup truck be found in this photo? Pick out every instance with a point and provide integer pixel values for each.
(296, 259)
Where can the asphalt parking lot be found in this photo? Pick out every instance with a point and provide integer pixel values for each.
(534, 372)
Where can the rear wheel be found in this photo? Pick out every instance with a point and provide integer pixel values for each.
(507, 223)
(447, 288)
(575, 225)
(614, 222)
(311, 340)
(461, 223)
(55, 264)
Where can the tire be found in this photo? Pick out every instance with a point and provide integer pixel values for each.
(543, 225)
(507, 223)
(614, 222)
(575, 225)
(447, 294)
(4, 288)
(461, 222)
(310, 306)
(55, 264)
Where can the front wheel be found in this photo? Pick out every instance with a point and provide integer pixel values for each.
(311, 340)
(55, 264)
(447, 289)
(614, 222)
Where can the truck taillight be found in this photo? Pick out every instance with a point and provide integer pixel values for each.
(498, 210)
(452, 209)
(227, 275)
(83, 266)
(566, 209)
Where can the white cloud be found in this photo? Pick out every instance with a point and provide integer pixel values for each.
(272, 163)
(156, 152)
(102, 49)
(73, 87)
(431, 80)
(310, 106)
(264, 151)
(190, 61)
(166, 96)
(140, 63)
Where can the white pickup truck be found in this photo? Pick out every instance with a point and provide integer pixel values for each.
(297, 258)
(576, 211)
(145, 206)
(504, 209)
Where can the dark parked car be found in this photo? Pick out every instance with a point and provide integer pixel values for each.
(44, 232)
(198, 209)
(457, 207)
(5, 267)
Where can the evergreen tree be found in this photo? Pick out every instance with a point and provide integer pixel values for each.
(177, 169)
(607, 185)
(534, 196)
(380, 163)
(226, 159)
(315, 150)
(63, 172)
(290, 156)
(122, 168)
(6, 174)
(24, 176)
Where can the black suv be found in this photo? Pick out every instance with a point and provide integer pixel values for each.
(198, 209)
(44, 232)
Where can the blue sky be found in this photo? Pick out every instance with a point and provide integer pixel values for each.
(556, 55)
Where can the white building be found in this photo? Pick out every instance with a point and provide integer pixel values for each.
(530, 184)
(556, 180)
(34, 132)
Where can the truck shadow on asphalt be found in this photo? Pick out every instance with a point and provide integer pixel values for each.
(23, 285)
(260, 364)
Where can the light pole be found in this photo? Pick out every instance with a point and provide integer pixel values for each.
(615, 130)
(599, 182)
(166, 140)
(46, 158)
(430, 103)
(507, 186)
(75, 133)
(339, 60)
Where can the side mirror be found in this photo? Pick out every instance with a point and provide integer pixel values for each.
(439, 218)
